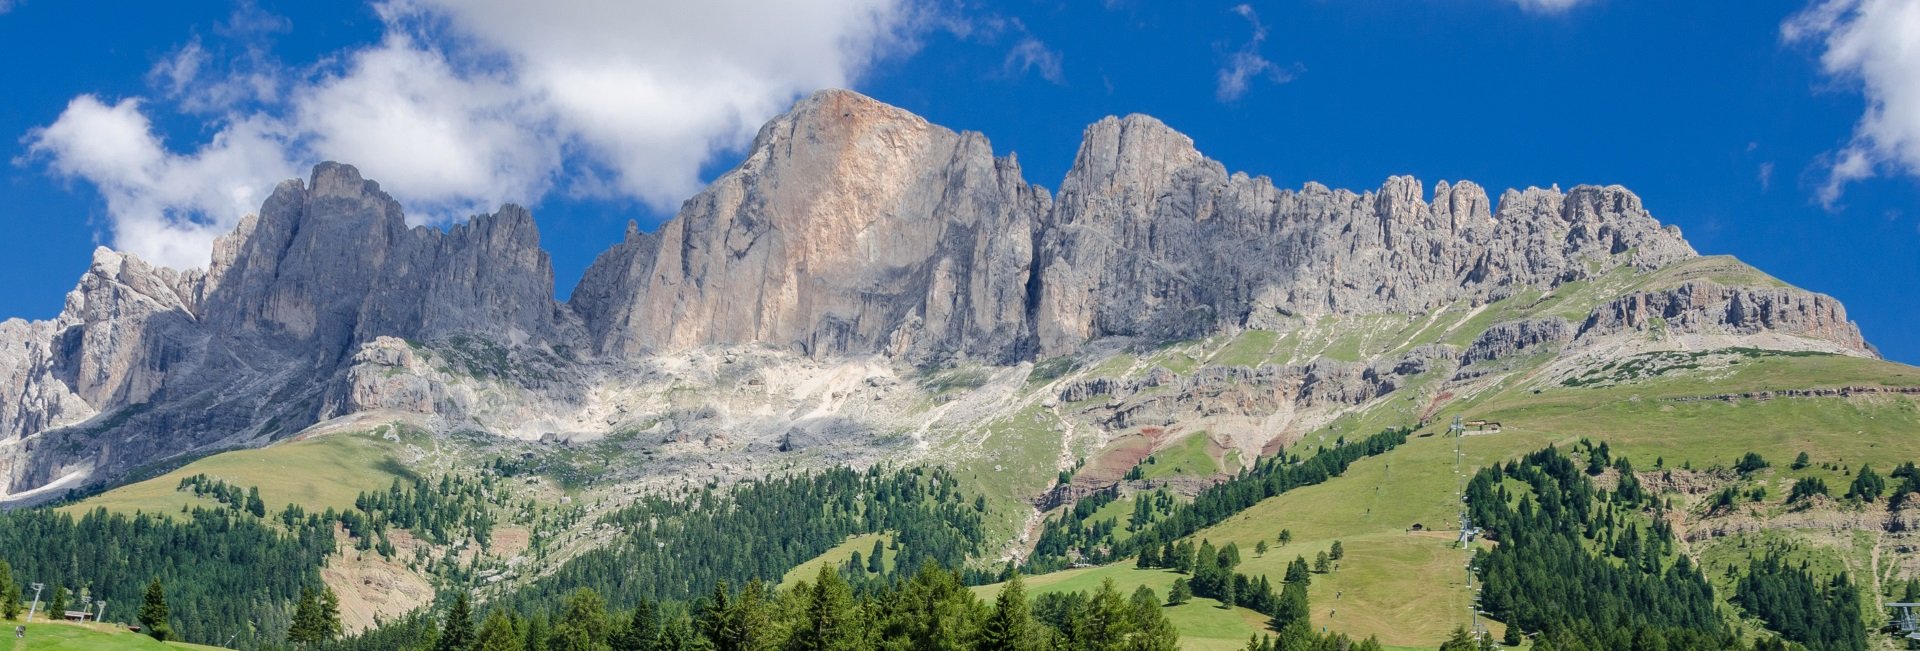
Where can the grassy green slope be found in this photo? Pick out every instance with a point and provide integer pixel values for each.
(61, 636)
(315, 473)
(1202, 622)
(839, 555)
(1409, 588)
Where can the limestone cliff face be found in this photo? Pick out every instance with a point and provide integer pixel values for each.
(1151, 239)
(852, 227)
(258, 345)
(1707, 307)
(332, 263)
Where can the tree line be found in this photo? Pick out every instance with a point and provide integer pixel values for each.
(230, 575)
(930, 608)
(1073, 538)
(1574, 566)
(677, 549)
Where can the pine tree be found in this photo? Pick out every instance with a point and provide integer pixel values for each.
(1337, 552)
(9, 593)
(1286, 536)
(1260, 548)
(1867, 485)
(1109, 619)
(1292, 608)
(328, 615)
(875, 562)
(538, 631)
(305, 628)
(1297, 571)
(1152, 630)
(1183, 557)
(831, 624)
(1801, 461)
(642, 632)
(1226, 595)
(59, 602)
(715, 617)
(1180, 593)
(1320, 563)
(456, 634)
(583, 623)
(498, 633)
(1459, 641)
(1010, 626)
(154, 613)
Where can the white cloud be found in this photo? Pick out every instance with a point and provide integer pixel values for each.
(1870, 43)
(1247, 64)
(448, 144)
(1548, 6)
(165, 207)
(465, 104)
(1032, 55)
(649, 92)
(1766, 176)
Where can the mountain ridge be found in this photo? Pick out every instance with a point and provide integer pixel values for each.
(851, 229)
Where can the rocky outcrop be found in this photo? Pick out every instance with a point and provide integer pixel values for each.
(1166, 399)
(387, 374)
(1707, 307)
(1515, 337)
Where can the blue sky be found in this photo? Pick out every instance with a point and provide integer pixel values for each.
(1786, 133)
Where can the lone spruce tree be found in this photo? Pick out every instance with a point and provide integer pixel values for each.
(154, 612)
(305, 627)
(59, 601)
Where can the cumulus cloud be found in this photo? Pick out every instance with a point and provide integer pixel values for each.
(165, 207)
(462, 105)
(1548, 6)
(1247, 64)
(1869, 43)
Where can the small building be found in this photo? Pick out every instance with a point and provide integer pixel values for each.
(78, 616)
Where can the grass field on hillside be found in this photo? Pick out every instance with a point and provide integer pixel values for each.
(315, 473)
(1647, 423)
(1202, 622)
(61, 636)
(1410, 588)
(862, 543)
(1018, 458)
(1193, 456)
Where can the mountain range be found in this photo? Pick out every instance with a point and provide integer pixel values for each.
(855, 239)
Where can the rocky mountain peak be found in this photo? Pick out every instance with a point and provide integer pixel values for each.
(1132, 154)
(850, 228)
